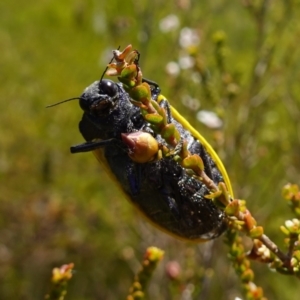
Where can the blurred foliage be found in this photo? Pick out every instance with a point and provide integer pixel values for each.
(57, 208)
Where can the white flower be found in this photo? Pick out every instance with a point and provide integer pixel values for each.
(289, 224)
(191, 103)
(186, 62)
(188, 37)
(264, 252)
(210, 119)
(172, 68)
(169, 23)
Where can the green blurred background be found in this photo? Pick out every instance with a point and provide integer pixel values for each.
(58, 208)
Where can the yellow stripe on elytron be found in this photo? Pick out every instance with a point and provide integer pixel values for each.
(179, 118)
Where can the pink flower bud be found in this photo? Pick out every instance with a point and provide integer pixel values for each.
(142, 146)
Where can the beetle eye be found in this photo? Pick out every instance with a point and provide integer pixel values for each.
(84, 104)
(108, 87)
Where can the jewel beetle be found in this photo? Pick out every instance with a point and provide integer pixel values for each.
(150, 150)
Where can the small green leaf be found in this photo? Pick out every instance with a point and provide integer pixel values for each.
(233, 208)
(141, 93)
(193, 162)
(256, 232)
(154, 119)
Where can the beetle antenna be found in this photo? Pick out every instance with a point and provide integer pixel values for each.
(137, 60)
(107, 67)
(67, 100)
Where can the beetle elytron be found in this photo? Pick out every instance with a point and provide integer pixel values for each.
(163, 165)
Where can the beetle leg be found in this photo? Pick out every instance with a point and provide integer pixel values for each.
(178, 147)
(166, 106)
(151, 82)
(147, 128)
(173, 206)
(90, 146)
(134, 179)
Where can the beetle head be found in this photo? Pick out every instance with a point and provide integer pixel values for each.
(99, 97)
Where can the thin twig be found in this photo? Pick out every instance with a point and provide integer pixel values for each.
(274, 248)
